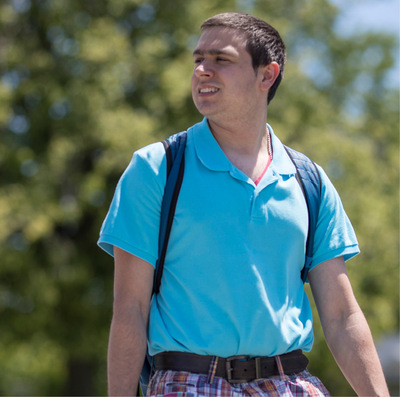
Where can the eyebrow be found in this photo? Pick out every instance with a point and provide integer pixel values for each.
(211, 52)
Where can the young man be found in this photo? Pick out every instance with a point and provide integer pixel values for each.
(231, 284)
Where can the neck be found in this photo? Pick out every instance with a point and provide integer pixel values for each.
(247, 147)
(247, 138)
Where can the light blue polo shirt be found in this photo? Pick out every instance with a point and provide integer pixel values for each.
(231, 283)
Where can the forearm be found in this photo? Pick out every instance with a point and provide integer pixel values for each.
(351, 343)
(346, 330)
(126, 353)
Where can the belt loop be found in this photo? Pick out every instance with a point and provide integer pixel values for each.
(280, 367)
(258, 367)
(212, 369)
(152, 367)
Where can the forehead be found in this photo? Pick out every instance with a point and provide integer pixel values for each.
(220, 39)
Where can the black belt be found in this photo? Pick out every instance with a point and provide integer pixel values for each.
(236, 369)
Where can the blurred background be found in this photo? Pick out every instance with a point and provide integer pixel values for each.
(83, 83)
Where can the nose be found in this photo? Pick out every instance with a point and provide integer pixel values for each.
(204, 69)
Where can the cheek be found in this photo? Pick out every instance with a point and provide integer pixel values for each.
(194, 90)
(193, 81)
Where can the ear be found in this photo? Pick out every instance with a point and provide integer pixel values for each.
(269, 74)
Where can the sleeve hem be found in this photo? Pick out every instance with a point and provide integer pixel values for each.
(347, 252)
(107, 243)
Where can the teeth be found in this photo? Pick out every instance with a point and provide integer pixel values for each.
(209, 90)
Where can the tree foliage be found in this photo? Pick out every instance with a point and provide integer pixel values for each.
(85, 83)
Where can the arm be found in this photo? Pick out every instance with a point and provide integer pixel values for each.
(133, 282)
(346, 330)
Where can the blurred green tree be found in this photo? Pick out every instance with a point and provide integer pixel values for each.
(84, 83)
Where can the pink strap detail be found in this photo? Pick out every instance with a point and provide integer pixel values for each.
(257, 181)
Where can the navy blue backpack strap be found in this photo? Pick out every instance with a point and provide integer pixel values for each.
(175, 154)
(310, 182)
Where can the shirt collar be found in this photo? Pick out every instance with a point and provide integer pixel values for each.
(212, 156)
(281, 162)
(208, 149)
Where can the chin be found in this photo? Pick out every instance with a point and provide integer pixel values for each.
(206, 110)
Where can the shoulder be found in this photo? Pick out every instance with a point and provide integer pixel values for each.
(150, 162)
(145, 171)
(151, 156)
(309, 170)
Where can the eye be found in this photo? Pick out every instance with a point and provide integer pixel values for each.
(221, 59)
(197, 61)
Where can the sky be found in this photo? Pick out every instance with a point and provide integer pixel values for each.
(371, 15)
(375, 15)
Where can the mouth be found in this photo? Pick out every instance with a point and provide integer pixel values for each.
(208, 90)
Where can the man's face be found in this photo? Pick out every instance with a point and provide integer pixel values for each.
(224, 83)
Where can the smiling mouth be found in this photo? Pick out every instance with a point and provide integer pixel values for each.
(208, 90)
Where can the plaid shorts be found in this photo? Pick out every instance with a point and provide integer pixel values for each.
(185, 384)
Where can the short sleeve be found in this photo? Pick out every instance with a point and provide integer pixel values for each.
(133, 219)
(334, 235)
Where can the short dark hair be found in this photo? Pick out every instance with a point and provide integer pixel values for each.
(264, 44)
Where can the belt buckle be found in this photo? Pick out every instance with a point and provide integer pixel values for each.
(230, 369)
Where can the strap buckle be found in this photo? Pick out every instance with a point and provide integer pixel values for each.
(229, 368)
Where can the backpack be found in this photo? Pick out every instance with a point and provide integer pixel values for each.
(307, 176)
